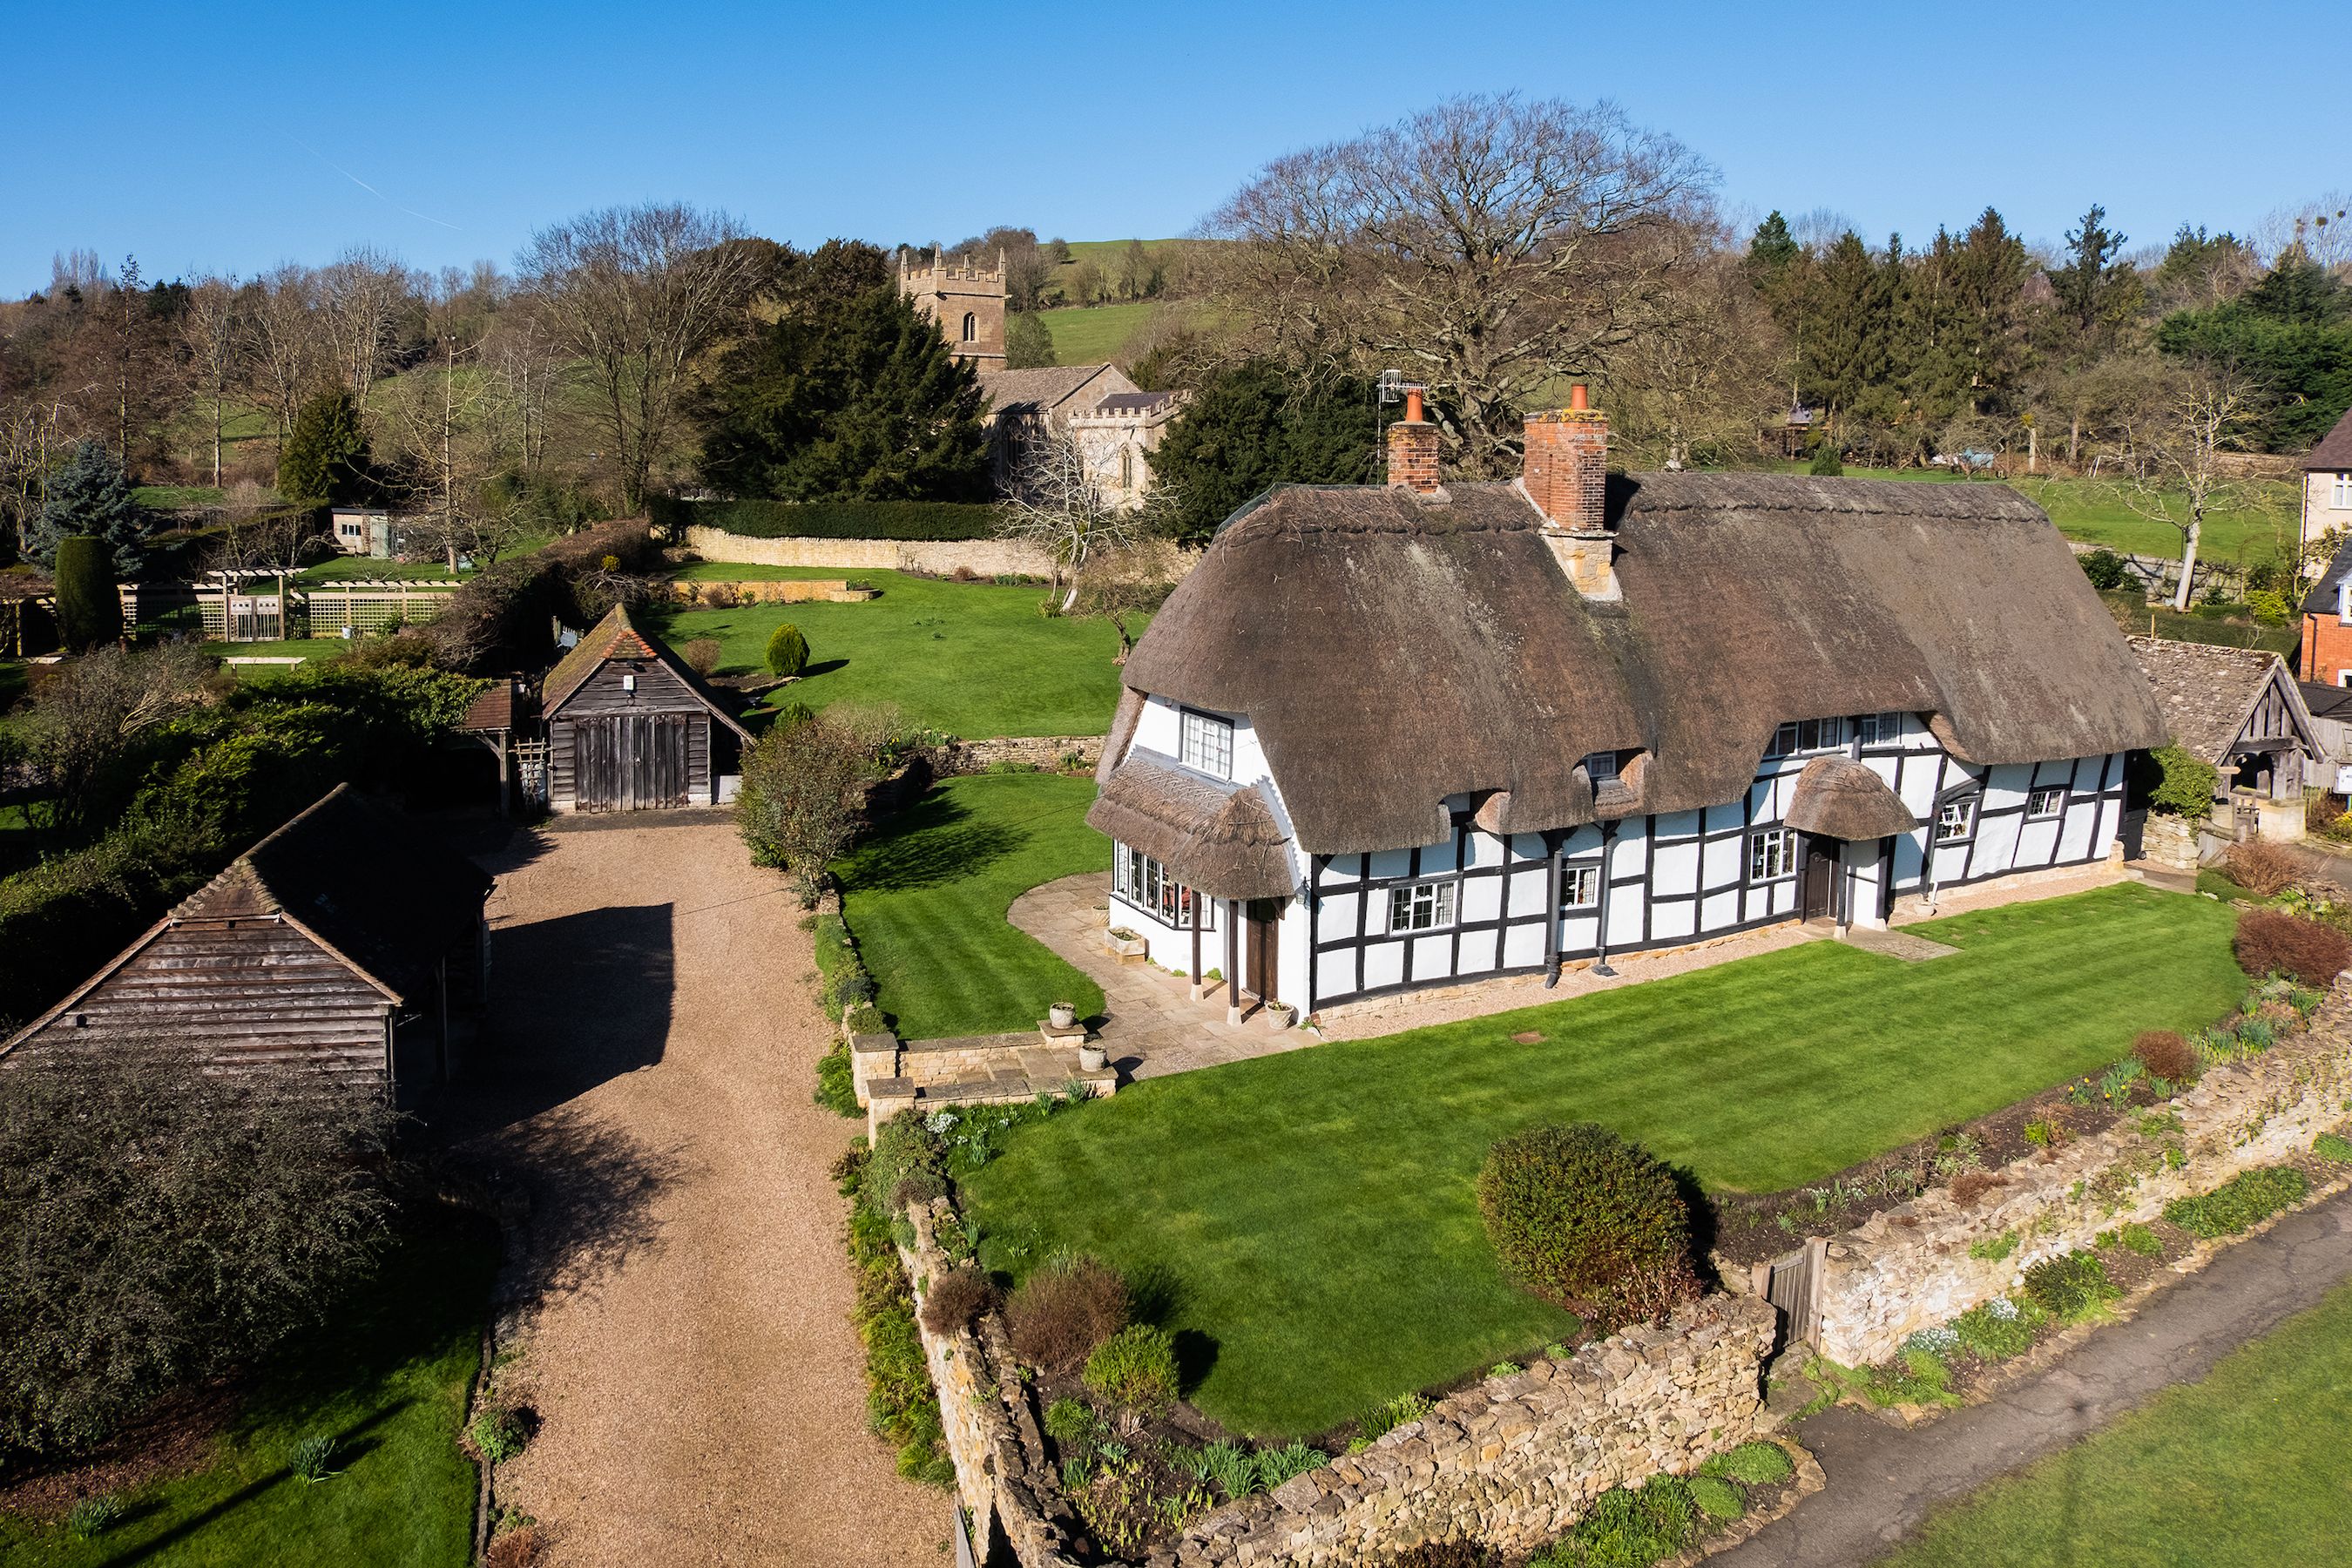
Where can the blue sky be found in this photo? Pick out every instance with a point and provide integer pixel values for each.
(219, 138)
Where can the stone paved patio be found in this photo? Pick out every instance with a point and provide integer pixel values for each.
(1153, 1026)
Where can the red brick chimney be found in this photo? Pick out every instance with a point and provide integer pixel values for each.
(1567, 463)
(1566, 475)
(1412, 448)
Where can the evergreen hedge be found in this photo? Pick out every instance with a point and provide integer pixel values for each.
(901, 520)
(89, 610)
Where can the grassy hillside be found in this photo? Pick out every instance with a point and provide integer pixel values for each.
(1090, 335)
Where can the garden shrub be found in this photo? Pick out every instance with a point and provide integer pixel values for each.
(2165, 1054)
(2245, 1200)
(1997, 1329)
(2105, 568)
(2260, 867)
(2269, 607)
(2069, 1287)
(1577, 1215)
(2184, 786)
(837, 1081)
(1755, 1462)
(906, 1163)
(501, 1430)
(701, 655)
(1063, 1311)
(788, 650)
(2268, 942)
(1826, 462)
(956, 1298)
(828, 519)
(1717, 1499)
(1135, 1369)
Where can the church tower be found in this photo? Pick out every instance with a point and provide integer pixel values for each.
(967, 302)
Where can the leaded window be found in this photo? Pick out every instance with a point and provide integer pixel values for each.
(1956, 819)
(1772, 854)
(1206, 742)
(1579, 887)
(2045, 802)
(1420, 906)
(1148, 885)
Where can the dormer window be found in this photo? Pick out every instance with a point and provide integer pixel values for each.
(1206, 742)
(1606, 770)
(1806, 735)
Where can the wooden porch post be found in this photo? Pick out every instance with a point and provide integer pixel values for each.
(1232, 961)
(1196, 944)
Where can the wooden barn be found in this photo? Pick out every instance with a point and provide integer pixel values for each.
(631, 728)
(344, 942)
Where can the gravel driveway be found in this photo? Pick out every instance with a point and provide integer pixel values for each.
(684, 1316)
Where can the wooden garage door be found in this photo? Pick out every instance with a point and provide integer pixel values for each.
(632, 762)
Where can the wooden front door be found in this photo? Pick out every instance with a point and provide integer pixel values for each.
(1264, 945)
(1821, 877)
(631, 762)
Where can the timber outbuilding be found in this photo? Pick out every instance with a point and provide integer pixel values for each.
(2240, 710)
(631, 728)
(345, 942)
(1386, 737)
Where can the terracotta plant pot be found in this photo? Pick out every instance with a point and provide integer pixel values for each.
(1063, 1013)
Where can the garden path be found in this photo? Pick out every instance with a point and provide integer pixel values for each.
(1883, 1482)
(683, 1311)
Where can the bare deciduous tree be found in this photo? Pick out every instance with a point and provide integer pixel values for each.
(211, 334)
(1122, 583)
(635, 294)
(2173, 439)
(1490, 246)
(89, 709)
(1705, 378)
(1055, 505)
(284, 347)
(360, 294)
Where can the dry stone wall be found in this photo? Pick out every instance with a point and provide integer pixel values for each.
(1515, 1461)
(1930, 1261)
(1049, 752)
(984, 557)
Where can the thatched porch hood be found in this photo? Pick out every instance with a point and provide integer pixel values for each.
(1392, 651)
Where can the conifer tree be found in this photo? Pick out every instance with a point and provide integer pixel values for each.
(90, 494)
(325, 459)
(1028, 344)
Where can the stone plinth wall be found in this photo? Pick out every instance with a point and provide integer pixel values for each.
(986, 557)
(1910, 1268)
(1028, 751)
(1514, 1461)
(769, 591)
(2170, 841)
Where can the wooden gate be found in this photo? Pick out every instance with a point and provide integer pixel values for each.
(631, 762)
(1792, 1284)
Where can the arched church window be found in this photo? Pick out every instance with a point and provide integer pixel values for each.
(970, 326)
(1127, 468)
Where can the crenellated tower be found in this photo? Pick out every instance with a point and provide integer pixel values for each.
(968, 304)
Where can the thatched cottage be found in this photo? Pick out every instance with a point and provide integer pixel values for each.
(1382, 738)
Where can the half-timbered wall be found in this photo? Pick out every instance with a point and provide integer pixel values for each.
(603, 697)
(1651, 882)
(254, 995)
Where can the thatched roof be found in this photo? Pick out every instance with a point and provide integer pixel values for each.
(1392, 652)
(1218, 837)
(1841, 798)
(2210, 693)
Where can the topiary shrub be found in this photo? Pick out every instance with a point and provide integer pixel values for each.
(2105, 569)
(788, 651)
(956, 1298)
(2165, 1054)
(1063, 1311)
(2261, 868)
(1580, 1216)
(89, 611)
(2268, 942)
(1135, 1369)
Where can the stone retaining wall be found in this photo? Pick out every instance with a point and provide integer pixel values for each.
(1910, 1268)
(1026, 751)
(1515, 1461)
(985, 557)
(768, 591)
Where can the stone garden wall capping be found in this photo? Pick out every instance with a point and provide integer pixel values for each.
(1911, 1269)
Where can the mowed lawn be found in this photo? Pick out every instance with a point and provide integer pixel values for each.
(2244, 1469)
(927, 898)
(389, 1382)
(971, 659)
(1313, 1214)
(1093, 334)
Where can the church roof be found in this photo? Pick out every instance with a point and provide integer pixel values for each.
(1392, 651)
(1045, 390)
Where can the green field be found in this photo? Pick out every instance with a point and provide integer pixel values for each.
(367, 568)
(971, 659)
(171, 498)
(1312, 1212)
(926, 898)
(1092, 334)
(2244, 1469)
(389, 1382)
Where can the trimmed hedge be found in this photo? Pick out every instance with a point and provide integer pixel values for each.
(905, 520)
